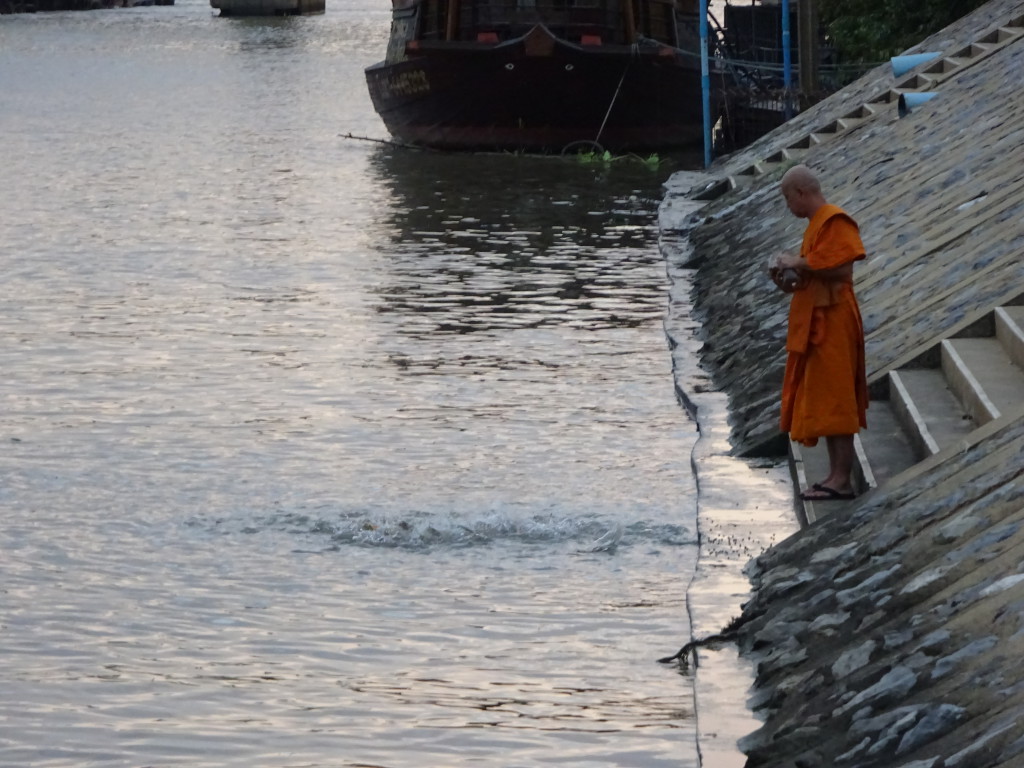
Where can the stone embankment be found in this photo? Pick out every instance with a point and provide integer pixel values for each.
(892, 634)
(888, 631)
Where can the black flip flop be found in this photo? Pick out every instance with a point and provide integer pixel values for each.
(831, 494)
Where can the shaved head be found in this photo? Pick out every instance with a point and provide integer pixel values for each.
(801, 177)
(802, 191)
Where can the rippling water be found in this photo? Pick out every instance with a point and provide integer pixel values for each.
(313, 451)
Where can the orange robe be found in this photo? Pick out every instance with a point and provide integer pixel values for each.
(825, 389)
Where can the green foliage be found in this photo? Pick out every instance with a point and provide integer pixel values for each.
(870, 31)
(651, 161)
(606, 158)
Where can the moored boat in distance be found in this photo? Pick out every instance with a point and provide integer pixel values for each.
(542, 75)
(268, 7)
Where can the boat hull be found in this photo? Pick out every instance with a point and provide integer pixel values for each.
(540, 94)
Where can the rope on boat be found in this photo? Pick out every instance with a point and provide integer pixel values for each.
(388, 142)
(615, 96)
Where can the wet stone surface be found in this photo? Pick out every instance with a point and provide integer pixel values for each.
(932, 666)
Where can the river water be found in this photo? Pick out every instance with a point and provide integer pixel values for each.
(313, 451)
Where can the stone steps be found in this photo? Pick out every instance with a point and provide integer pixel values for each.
(930, 405)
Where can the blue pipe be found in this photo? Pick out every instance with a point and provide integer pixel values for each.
(787, 64)
(705, 81)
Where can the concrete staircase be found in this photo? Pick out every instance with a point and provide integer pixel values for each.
(931, 404)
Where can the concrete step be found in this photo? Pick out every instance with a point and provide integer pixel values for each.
(958, 386)
(886, 449)
(883, 451)
(809, 465)
(928, 410)
(814, 464)
(1010, 332)
(987, 382)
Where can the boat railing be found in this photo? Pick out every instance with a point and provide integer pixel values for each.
(499, 20)
(585, 22)
(588, 25)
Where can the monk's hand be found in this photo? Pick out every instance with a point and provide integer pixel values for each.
(783, 274)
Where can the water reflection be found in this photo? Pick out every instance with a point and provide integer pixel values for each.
(258, 34)
(565, 251)
(268, 503)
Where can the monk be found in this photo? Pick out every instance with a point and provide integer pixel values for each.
(824, 393)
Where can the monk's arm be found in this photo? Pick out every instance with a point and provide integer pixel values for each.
(836, 246)
(843, 272)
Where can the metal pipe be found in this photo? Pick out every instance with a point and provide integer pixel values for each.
(787, 64)
(705, 81)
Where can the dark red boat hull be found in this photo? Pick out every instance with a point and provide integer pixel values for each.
(512, 97)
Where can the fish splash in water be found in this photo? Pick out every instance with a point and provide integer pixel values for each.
(608, 542)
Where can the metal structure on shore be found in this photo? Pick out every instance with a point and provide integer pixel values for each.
(778, 63)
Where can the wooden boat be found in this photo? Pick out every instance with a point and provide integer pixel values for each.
(542, 75)
(268, 7)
